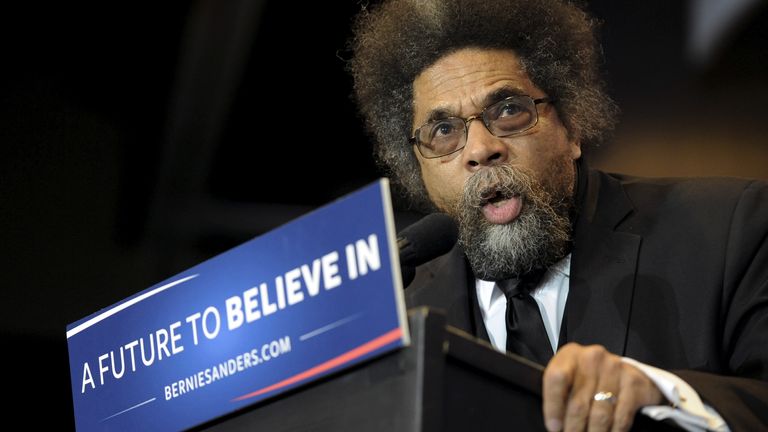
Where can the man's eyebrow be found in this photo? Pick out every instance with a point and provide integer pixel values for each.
(439, 113)
(501, 94)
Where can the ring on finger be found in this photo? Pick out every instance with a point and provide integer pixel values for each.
(604, 396)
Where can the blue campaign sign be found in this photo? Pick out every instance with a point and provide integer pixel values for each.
(307, 299)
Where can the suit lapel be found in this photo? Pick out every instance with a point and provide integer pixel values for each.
(603, 267)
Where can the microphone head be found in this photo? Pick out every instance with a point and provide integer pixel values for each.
(430, 237)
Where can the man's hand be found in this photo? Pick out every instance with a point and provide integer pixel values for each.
(577, 373)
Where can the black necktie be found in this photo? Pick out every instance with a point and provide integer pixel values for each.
(526, 335)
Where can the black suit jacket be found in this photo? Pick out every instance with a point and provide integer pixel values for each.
(670, 272)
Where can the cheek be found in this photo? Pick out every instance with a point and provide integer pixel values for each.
(431, 182)
(551, 151)
(443, 185)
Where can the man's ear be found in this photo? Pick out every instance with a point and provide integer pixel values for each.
(575, 146)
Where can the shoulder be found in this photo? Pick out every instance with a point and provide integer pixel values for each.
(704, 196)
(437, 282)
(427, 272)
(685, 187)
(698, 212)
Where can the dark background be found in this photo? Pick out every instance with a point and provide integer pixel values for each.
(137, 139)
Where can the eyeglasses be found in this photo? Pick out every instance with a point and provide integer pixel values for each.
(507, 117)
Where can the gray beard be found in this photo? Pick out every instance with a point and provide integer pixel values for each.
(536, 239)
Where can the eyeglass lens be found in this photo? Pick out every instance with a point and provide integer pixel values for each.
(509, 116)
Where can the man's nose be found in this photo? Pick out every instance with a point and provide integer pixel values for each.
(483, 148)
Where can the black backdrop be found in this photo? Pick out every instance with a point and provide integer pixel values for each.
(138, 139)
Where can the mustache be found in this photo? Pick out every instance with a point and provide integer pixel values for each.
(495, 183)
(538, 236)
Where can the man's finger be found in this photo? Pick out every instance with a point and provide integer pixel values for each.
(605, 396)
(589, 361)
(579, 403)
(624, 412)
(558, 379)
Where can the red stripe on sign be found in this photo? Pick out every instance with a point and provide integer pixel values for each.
(348, 356)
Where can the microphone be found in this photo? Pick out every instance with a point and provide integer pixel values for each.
(430, 237)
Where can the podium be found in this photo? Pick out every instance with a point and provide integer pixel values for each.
(445, 381)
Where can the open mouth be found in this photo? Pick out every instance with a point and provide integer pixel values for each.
(495, 197)
(500, 205)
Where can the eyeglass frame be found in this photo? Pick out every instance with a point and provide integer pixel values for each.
(413, 140)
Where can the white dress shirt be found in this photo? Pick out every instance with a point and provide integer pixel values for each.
(689, 412)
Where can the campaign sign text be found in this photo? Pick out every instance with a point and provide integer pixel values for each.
(307, 299)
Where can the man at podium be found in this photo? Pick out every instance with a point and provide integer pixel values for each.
(646, 295)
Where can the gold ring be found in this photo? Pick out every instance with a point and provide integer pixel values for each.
(605, 397)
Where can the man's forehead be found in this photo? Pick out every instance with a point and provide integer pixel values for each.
(484, 99)
(469, 79)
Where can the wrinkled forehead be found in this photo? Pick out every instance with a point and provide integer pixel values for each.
(464, 82)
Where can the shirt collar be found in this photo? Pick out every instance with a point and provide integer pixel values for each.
(487, 292)
(563, 266)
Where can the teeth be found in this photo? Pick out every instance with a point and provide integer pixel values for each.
(489, 196)
(499, 203)
(495, 197)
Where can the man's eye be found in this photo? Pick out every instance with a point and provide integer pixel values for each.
(442, 129)
(511, 109)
